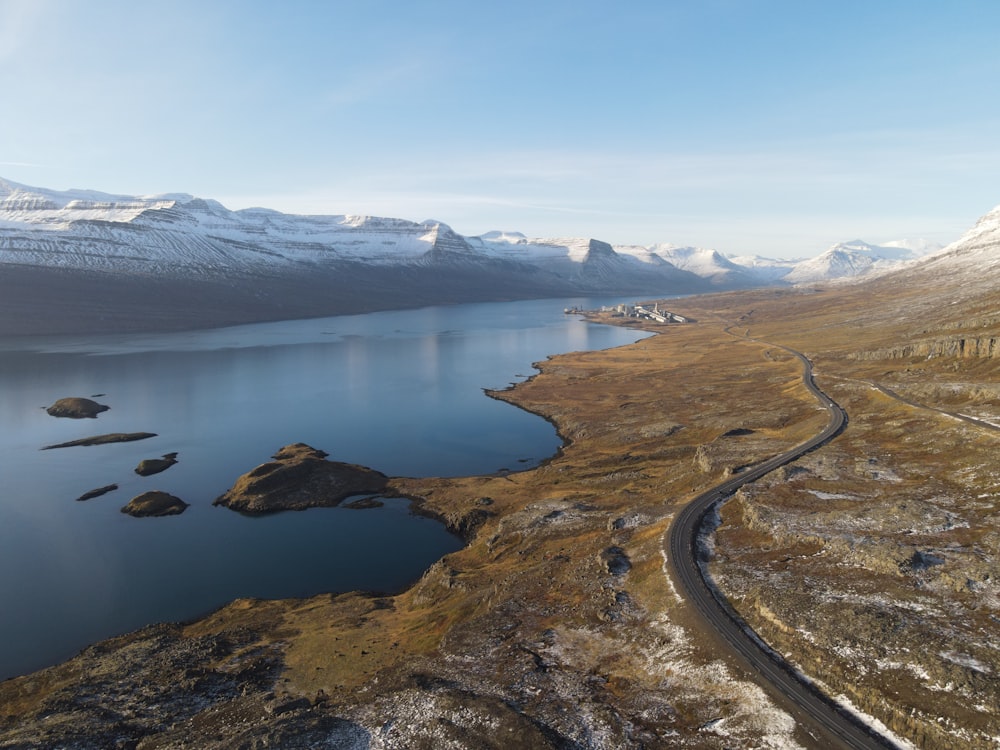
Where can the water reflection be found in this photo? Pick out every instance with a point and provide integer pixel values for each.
(401, 392)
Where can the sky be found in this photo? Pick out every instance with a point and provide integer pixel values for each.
(772, 127)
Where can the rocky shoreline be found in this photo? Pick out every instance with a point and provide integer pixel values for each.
(555, 622)
(556, 626)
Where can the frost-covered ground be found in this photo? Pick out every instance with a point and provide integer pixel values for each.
(875, 562)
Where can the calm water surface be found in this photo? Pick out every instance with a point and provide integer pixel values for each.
(398, 391)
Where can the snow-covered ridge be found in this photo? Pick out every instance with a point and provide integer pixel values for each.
(975, 255)
(984, 235)
(87, 229)
(20, 204)
(180, 234)
(853, 259)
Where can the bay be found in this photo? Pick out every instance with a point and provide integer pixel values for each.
(401, 392)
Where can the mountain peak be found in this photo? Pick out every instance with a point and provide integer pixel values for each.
(499, 235)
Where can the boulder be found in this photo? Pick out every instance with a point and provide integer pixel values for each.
(76, 408)
(154, 503)
(300, 477)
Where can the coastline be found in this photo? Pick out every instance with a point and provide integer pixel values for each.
(557, 621)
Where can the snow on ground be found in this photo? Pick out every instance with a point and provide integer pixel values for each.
(874, 723)
(832, 495)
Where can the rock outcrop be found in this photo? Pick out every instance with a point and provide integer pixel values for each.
(98, 492)
(114, 437)
(155, 503)
(300, 477)
(76, 408)
(967, 347)
(149, 466)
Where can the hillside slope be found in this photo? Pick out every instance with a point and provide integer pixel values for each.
(872, 563)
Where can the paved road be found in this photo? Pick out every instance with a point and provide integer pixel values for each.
(916, 404)
(831, 726)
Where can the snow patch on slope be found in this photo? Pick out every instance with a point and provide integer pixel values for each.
(54, 209)
(848, 260)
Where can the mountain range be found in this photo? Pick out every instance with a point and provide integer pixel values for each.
(79, 259)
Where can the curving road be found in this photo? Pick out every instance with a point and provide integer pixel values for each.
(830, 725)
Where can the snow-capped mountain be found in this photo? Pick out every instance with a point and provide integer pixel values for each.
(178, 260)
(588, 262)
(709, 264)
(847, 260)
(975, 255)
(767, 270)
(138, 255)
(954, 293)
(180, 234)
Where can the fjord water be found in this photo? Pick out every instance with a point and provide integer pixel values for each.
(401, 392)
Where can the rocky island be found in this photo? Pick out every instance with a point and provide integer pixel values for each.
(76, 408)
(114, 437)
(97, 492)
(149, 466)
(153, 504)
(300, 477)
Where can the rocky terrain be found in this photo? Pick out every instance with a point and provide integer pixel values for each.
(98, 492)
(149, 466)
(154, 503)
(300, 477)
(76, 408)
(111, 437)
(871, 563)
(875, 561)
(555, 627)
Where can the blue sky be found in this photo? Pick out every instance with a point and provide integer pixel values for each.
(775, 128)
